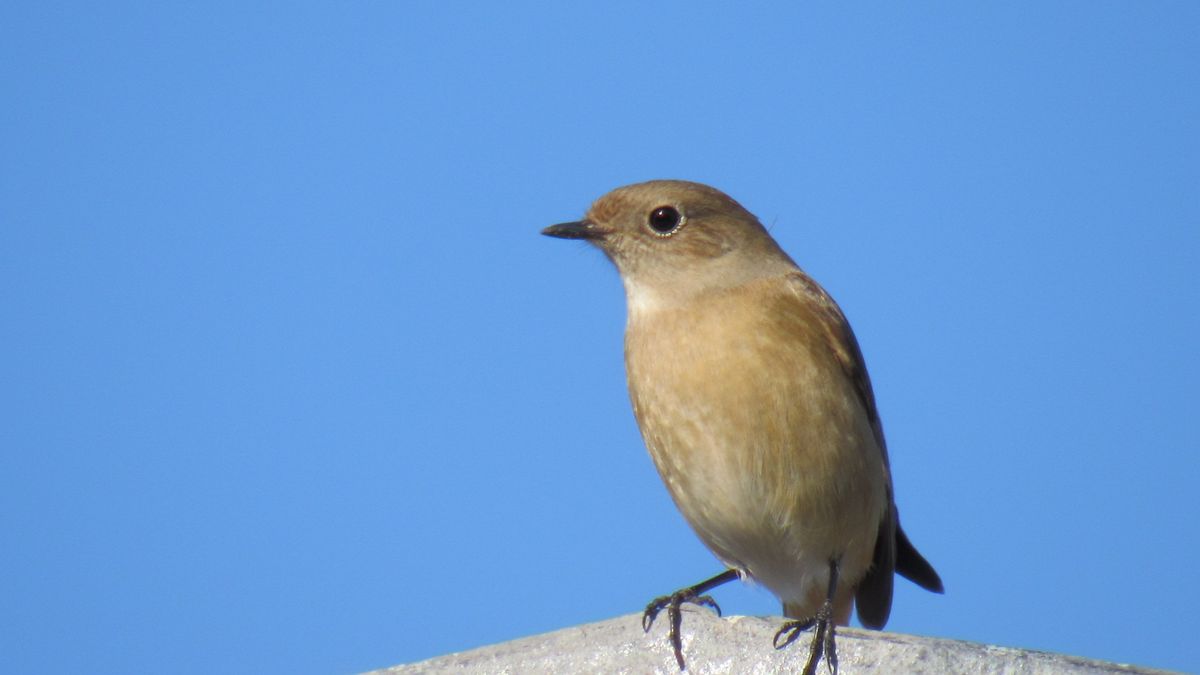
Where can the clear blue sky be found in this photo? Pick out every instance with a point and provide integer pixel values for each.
(292, 384)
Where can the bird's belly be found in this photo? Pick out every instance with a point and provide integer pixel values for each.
(777, 483)
(781, 533)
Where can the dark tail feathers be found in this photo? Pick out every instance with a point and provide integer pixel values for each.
(913, 566)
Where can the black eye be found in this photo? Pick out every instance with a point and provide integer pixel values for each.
(664, 220)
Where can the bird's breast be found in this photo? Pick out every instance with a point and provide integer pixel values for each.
(759, 436)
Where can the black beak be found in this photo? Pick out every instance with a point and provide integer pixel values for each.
(578, 230)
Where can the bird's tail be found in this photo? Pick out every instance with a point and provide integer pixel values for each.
(913, 566)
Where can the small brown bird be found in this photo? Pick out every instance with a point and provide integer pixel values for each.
(754, 402)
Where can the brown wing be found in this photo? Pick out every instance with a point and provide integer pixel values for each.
(893, 551)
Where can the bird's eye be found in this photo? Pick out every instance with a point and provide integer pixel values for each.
(665, 220)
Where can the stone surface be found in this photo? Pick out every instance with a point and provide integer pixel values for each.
(742, 644)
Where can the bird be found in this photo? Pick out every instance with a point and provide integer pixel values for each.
(753, 400)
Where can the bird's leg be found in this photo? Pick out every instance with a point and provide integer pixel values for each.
(823, 643)
(672, 602)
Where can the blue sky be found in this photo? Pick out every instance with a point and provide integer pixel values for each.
(292, 383)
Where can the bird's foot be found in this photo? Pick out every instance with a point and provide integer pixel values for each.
(692, 594)
(823, 642)
(672, 604)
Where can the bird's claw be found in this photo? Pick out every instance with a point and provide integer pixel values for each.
(823, 639)
(672, 603)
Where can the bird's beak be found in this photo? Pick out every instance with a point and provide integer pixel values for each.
(582, 229)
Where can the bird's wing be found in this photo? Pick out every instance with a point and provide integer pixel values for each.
(841, 341)
(893, 551)
(874, 595)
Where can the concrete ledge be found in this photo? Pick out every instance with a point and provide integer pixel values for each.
(742, 644)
